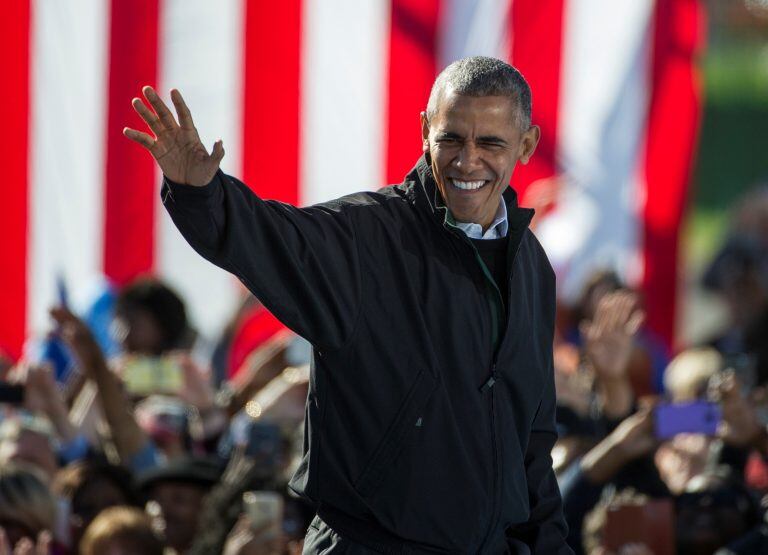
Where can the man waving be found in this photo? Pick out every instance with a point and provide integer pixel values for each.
(430, 308)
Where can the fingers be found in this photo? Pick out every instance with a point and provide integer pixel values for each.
(185, 117)
(61, 315)
(163, 113)
(218, 151)
(44, 541)
(145, 140)
(149, 117)
(5, 548)
(635, 321)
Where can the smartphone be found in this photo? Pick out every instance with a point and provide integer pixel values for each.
(651, 523)
(265, 513)
(152, 375)
(697, 417)
(264, 445)
(11, 393)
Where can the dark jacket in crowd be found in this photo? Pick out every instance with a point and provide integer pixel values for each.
(430, 415)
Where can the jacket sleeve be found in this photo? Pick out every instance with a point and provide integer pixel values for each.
(301, 263)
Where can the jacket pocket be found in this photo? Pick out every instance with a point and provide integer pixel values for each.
(391, 445)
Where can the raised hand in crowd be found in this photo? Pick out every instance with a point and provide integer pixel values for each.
(631, 439)
(25, 546)
(81, 340)
(176, 146)
(196, 389)
(129, 439)
(609, 336)
(609, 340)
(740, 425)
(42, 395)
(244, 540)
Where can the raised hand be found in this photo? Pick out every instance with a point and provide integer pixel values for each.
(631, 439)
(175, 146)
(76, 333)
(609, 337)
(196, 386)
(25, 546)
(740, 425)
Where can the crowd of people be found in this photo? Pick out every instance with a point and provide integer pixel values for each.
(129, 440)
(668, 456)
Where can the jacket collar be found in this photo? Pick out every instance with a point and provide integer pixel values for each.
(424, 194)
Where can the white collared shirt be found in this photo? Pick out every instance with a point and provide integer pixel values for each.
(496, 230)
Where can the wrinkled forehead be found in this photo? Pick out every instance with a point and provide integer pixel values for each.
(481, 114)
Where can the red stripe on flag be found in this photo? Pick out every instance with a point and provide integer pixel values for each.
(412, 68)
(537, 31)
(271, 99)
(14, 151)
(673, 126)
(131, 188)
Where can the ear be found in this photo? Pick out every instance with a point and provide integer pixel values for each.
(528, 143)
(424, 132)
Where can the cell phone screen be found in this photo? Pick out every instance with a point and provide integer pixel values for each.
(698, 417)
(265, 512)
(148, 375)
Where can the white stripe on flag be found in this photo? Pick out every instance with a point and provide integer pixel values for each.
(478, 28)
(201, 55)
(343, 84)
(603, 107)
(69, 76)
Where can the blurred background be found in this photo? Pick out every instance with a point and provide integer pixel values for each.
(650, 112)
(645, 107)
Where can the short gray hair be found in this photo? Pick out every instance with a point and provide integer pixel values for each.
(484, 76)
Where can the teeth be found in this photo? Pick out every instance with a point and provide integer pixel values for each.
(467, 185)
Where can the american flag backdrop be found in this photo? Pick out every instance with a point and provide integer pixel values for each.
(319, 98)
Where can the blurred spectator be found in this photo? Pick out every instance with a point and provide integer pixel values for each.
(150, 318)
(647, 357)
(626, 522)
(27, 508)
(688, 374)
(714, 510)
(224, 525)
(175, 493)
(133, 447)
(89, 487)
(165, 420)
(121, 531)
(594, 387)
(27, 438)
(739, 274)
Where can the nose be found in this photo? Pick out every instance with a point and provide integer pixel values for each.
(468, 159)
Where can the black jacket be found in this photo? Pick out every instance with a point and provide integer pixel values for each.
(430, 415)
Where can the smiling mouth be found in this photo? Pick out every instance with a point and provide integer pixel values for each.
(467, 185)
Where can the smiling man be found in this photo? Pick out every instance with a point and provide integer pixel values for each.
(475, 137)
(430, 309)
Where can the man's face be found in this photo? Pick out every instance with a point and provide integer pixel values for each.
(181, 504)
(474, 143)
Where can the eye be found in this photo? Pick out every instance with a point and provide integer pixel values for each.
(491, 145)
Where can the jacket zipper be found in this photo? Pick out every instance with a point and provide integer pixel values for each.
(499, 313)
(497, 306)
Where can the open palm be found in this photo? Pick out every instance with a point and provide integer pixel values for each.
(176, 146)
